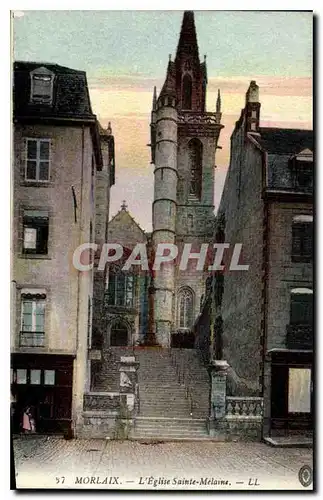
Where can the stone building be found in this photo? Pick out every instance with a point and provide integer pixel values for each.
(58, 163)
(261, 319)
(126, 295)
(184, 139)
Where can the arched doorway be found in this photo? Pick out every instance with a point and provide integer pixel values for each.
(119, 334)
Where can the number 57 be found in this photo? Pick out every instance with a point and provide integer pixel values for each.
(60, 480)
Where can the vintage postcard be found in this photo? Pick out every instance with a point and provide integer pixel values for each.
(162, 250)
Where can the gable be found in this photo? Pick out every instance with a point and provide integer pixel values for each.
(123, 229)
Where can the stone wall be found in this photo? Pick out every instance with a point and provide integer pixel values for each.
(283, 273)
(242, 207)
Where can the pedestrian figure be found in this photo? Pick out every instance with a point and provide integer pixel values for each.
(28, 421)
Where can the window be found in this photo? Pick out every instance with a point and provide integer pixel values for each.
(35, 236)
(41, 86)
(121, 289)
(195, 154)
(299, 390)
(35, 377)
(190, 222)
(32, 319)
(185, 308)
(49, 377)
(187, 92)
(302, 170)
(302, 239)
(21, 377)
(301, 309)
(37, 160)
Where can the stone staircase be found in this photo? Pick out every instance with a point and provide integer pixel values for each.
(166, 410)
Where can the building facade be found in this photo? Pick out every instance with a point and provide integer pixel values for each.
(57, 155)
(261, 319)
(184, 139)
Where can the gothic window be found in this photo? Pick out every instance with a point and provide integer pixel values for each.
(185, 308)
(187, 92)
(121, 289)
(195, 154)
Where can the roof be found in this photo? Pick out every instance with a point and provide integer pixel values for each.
(285, 141)
(169, 87)
(281, 145)
(70, 93)
(187, 43)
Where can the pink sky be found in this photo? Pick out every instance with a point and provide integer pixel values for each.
(125, 100)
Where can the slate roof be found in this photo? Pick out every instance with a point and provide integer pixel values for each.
(281, 144)
(285, 141)
(70, 93)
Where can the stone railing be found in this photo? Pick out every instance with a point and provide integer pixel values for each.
(198, 118)
(244, 407)
(102, 401)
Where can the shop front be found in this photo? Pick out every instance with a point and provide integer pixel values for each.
(291, 391)
(43, 385)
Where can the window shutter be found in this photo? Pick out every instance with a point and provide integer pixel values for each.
(301, 309)
(308, 239)
(296, 239)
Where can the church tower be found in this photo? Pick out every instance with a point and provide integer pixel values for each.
(184, 139)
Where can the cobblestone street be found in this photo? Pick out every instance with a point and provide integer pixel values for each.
(43, 462)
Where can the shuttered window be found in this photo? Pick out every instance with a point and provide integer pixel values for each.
(302, 241)
(301, 312)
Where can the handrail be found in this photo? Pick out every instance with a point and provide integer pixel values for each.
(183, 375)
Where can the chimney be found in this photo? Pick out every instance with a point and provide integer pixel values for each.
(252, 108)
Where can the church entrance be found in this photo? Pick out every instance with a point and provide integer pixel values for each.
(119, 334)
(184, 340)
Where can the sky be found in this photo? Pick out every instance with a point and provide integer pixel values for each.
(125, 53)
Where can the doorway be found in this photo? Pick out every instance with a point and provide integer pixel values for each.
(119, 334)
(291, 397)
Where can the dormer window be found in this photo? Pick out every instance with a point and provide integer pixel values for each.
(302, 170)
(41, 86)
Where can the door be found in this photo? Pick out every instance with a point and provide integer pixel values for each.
(119, 334)
(291, 397)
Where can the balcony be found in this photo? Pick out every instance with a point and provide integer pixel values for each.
(299, 336)
(32, 339)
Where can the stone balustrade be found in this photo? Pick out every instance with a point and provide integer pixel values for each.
(237, 407)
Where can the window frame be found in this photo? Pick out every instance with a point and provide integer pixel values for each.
(121, 278)
(195, 149)
(301, 292)
(45, 99)
(30, 222)
(188, 313)
(38, 160)
(33, 337)
(304, 228)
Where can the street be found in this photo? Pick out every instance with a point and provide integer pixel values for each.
(52, 462)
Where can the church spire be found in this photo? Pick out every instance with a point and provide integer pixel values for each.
(187, 45)
(218, 102)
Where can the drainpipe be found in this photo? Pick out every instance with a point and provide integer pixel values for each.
(265, 268)
(80, 241)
